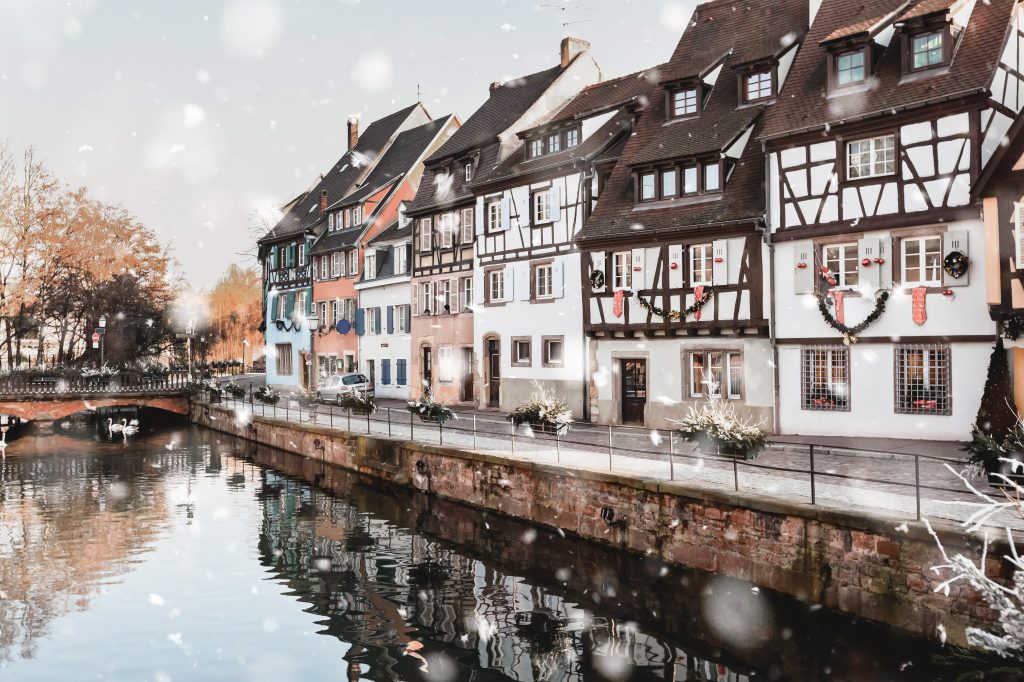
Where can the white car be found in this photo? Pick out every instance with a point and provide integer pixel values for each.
(335, 386)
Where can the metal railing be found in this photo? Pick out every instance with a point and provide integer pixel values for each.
(606, 444)
(69, 383)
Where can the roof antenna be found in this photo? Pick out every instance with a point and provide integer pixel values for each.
(419, 97)
(563, 8)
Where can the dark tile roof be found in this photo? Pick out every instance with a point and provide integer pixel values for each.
(444, 184)
(332, 241)
(386, 255)
(338, 181)
(865, 19)
(392, 232)
(926, 7)
(607, 95)
(804, 104)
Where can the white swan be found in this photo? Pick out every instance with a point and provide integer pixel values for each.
(114, 428)
(131, 427)
(65, 425)
(134, 422)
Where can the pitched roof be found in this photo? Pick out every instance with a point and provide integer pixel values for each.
(392, 232)
(332, 241)
(866, 20)
(386, 257)
(607, 95)
(338, 181)
(805, 103)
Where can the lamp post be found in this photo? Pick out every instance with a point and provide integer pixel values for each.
(103, 337)
(202, 350)
(245, 342)
(312, 321)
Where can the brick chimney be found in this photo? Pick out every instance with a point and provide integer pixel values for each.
(353, 131)
(323, 200)
(495, 85)
(572, 47)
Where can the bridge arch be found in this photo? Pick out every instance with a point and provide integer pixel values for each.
(54, 409)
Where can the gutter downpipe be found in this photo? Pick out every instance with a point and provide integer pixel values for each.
(772, 332)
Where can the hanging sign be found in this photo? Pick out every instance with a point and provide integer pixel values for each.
(344, 326)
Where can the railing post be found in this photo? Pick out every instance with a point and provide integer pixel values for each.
(512, 424)
(389, 422)
(917, 484)
(558, 447)
(474, 430)
(330, 411)
(609, 447)
(814, 493)
(735, 473)
(368, 422)
(440, 432)
(411, 427)
(671, 457)
(348, 412)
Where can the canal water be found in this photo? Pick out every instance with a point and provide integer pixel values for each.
(183, 554)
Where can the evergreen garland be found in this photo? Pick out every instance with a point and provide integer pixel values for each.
(850, 333)
(673, 315)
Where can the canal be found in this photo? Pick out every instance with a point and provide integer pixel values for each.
(182, 554)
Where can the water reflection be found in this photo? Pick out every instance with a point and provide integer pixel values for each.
(184, 554)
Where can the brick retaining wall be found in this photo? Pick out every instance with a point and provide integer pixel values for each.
(851, 560)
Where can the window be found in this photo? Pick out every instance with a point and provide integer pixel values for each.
(521, 351)
(921, 261)
(330, 222)
(300, 308)
(572, 138)
(842, 260)
(336, 264)
(757, 85)
(496, 286)
(542, 281)
(446, 364)
(325, 267)
(541, 207)
(302, 254)
(716, 372)
(373, 321)
(446, 226)
(467, 226)
(648, 186)
(690, 180)
(323, 313)
(370, 265)
(402, 312)
(922, 379)
(552, 351)
(711, 177)
(493, 214)
(353, 262)
(467, 293)
(445, 296)
(468, 169)
(357, 215)
(337, 312)
(284, 358)
(825, 378)
(313, 262)
(554, 143)
(702, 264)
(425, 234)
(536, 148)
(622, 270)
(871, 157)
(426, 298)
(401, 263)
(668, 183)
(850, 68)
(926, 50)
(684, 102)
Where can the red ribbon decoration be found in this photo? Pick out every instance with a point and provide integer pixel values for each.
(837, 296)
(617, 303)
(698, 293)
(917, 305)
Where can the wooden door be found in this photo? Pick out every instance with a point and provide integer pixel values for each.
(634, 390)
(427, 367)
(467, 374)
(494, 373)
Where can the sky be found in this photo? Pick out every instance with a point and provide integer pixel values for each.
(195, 114)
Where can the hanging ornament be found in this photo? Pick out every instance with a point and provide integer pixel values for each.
(673, 315)
(597, 279)
(617, 303)
(698, 294)
(837, 296)
(956, 264)
(917, 308)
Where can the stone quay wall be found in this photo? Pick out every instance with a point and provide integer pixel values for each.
(857, 561)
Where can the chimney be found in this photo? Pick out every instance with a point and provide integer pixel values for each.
(572, 47)
(495, 85)
(353, 131)
(323, 201)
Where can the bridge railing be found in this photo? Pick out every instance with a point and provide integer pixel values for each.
(128, 381)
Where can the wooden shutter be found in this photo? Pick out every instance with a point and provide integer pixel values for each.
(478, 217)
(720, 261)
(506, 213)
(523, 281)
(400, 371)
(1018, 233)
(804, 267)
(955, 240)
(391, 319)
(360, 321)
(638, 277)
(416, 288)
(385, 371)
(557, 278)
(556, 202)
(869, 275)
(478, 287)
(676, 266)
(273, 305)
(597, 265)
(885, 252)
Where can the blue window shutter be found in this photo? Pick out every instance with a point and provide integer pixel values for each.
(273, 257)
(360, 321)
(391, 319)
(309, 302)
(400, 369)
(289, 304)
(385, 371)
(274, 298)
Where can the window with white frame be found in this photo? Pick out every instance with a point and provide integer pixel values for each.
(684, 102)
(648, 186)
(402, 312)
(337, 312)
(521, 351)
(467, 226)
(757, 85)
(715, 372)
(325, 267)
(553, 351)
(702, 264)
(554, 143)
(690, 180)
(492, 212)
(825, 378)
(302, 254)
(370, 265)
(926, 50)
(572, 138)
(622, 270)
(871, 157)
(446, 364)
(373, 321)
(336, 264)
(357, 215)
(330, 222)
(542, 281)
(300, 308)
(324, 321)
(401, 264)
(921, 261)
(426, 298)
(314, 262)
(425, 235)
(353, 262)
(922, 379)
(468, 169)
(712, 176)
(467, 293)
(842, 260)
(541, 207)
(496, 285)
(445, 299)
(446, 225)
(536, 148)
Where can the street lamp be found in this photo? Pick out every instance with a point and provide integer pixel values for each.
(245, 342)
(312, 321)
(103, 337)
(202, 349)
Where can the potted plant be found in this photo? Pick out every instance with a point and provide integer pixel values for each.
(267, 395)
(718, 430)
(544, 412)
(235, 390)
(429, 410)
(995, 456)
(357, 402)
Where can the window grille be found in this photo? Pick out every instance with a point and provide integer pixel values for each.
(922, 379)
(825, 378)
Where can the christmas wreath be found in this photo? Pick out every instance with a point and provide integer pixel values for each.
(850, 333)
(597, 279)
(676, 314)
(955, 264)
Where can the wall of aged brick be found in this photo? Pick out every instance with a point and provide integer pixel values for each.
(854, 561)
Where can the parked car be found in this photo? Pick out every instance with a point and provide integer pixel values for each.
(335, 386)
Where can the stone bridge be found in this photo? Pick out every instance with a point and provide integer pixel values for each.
(53, 406)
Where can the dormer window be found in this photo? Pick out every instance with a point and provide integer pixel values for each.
(572, 138)
(536, 148)
(850, 68)
(926, 50)
(675, 181)
(554, 143)
(468, 170)
(648, 186)
(758, 85)
(684, 102)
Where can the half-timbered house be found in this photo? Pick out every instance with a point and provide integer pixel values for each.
(893, 111)
(444, 218)
(528, 310)
(675, 305)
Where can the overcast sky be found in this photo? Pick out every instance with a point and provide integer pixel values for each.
(194, 113)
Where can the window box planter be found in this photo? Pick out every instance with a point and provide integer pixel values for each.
(430, 411)
(717, 430)
(544, 412)
(546, 428)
